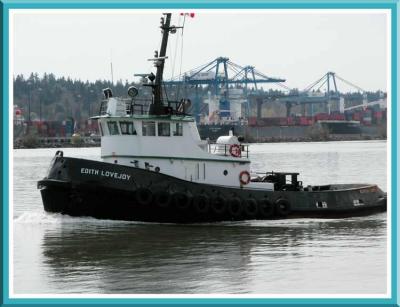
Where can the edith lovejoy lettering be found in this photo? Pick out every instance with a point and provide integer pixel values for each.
(91, 171)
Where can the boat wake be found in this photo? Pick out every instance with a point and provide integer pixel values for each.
(61, 219)
(45, 218)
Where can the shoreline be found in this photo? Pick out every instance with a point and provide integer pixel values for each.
(331, 138)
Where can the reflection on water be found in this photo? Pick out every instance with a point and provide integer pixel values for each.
(252, 257)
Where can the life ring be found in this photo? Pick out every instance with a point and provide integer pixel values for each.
(235, 150)
(282, 207)
(218, 205)
(250, 207)
(201, 203)
(162, 199)
(181, 200)
(265, 208)
(235, 208)
(244, 177)
(144, 196)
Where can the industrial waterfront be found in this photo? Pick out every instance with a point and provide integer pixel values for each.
(45, 117)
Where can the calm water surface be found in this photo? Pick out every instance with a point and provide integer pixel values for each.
(55, 254)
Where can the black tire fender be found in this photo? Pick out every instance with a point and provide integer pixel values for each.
(265, 208)
(162, 199)
(144, 196)
(201, 203)
(282, 207)
(218, 205)
(235, 207)
(181, 200)
(250, 207)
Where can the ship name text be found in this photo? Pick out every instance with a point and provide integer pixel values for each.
(97, 172)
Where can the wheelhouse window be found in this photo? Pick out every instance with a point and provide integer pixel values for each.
(177, 129)
(113, 128)
(164, 129)
(149, 128)
(127, 128)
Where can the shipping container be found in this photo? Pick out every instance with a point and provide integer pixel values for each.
(357, 116)
(290, 121)
(283, 121)
(304, 121)
(252, 121)
(321, 116)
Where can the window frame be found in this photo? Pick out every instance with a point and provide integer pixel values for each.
(128, 123)
(145, 129)
(115, 123)
(165, 124)
(176, 130)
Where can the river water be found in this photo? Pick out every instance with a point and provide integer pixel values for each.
(55, 254)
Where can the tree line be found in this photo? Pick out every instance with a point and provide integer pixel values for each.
(52, 98)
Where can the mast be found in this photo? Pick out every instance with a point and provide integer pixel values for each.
(157, 108)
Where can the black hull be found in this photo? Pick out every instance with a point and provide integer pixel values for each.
(79, 187)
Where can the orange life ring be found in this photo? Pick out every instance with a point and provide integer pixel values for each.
(244, 177)
(235, 150)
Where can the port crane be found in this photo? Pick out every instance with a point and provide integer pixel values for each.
(219, 75)
(312, 94)
(322, 91)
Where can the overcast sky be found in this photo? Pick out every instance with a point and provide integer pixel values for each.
(298, 46)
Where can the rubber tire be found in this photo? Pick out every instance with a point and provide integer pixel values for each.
(282, 207)
(181, 200)
(162, 199)
(218, 205)
(201, 203)
(144, 196)
(250, 207)
(235, 208)
(265, 208)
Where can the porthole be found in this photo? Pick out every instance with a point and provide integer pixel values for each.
(225, 172)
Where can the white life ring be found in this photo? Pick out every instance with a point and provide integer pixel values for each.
(235, 150)
(244, 177)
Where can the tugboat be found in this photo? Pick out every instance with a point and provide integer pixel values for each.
(155, 168)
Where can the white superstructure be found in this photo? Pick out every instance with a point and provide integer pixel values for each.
(163, 139)
(170, 144)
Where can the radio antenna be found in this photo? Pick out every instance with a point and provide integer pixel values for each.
(112, 71)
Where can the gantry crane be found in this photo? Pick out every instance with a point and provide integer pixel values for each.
(219, 74)
(322, 91)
